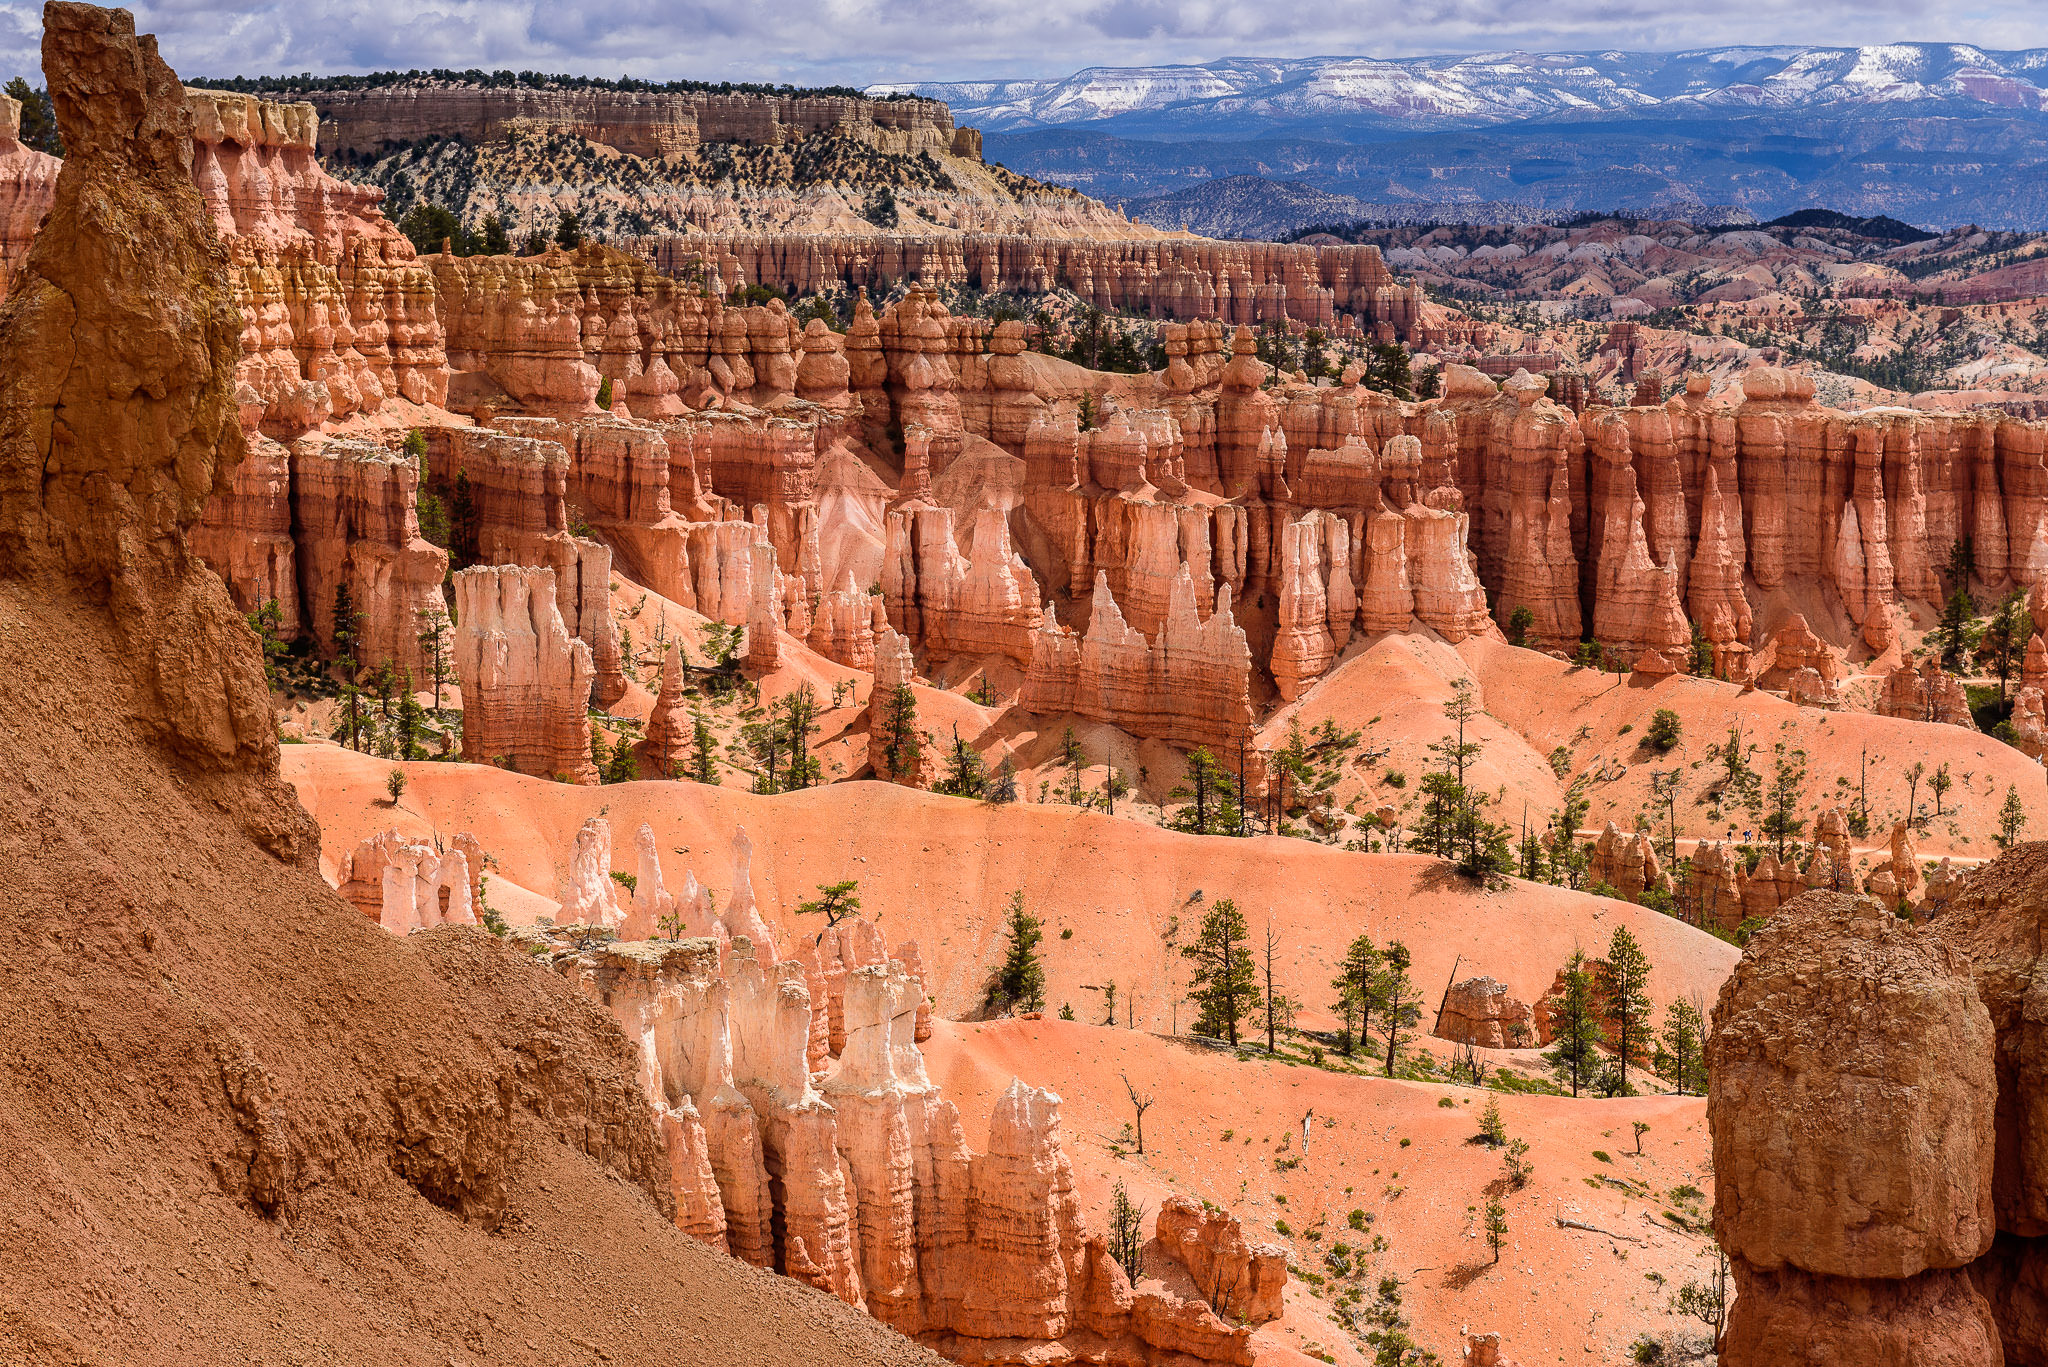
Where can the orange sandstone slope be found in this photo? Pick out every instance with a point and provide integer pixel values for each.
(941, 870)
(238, 1122)
(1231, 1133)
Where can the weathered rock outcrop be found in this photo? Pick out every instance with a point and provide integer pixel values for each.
(526, 682)
(1189, 685)
(1878, 1176)
(1480, 1011)
(407, 885)
(804, 1135)
(1924, 691)
(28, 184)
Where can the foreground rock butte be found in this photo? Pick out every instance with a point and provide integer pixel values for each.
(803, 1135)
(935, 457)
(184, 1039)
(1878, 1123)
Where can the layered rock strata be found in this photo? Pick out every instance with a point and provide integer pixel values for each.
(526, 681)
(804, 1135)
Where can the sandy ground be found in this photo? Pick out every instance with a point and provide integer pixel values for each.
(1221, 1130)
(941, 870)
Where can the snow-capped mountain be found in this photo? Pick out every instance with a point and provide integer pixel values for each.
(1503, 87)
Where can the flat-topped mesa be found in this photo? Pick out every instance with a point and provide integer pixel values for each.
(1178, 278)
(806, 1136)
(645, 123)
(526, 682)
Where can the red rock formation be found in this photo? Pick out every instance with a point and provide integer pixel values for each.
(671, 731)
(1626, 863)
(1479, 1011)
(1238, 282)
(405, 884)
(1240, 1279)
(805, 1135)
(1853, 1146)
(978, 601)
(28, 185)
(526, 682)
(1190, 685)
(652, 124)
(1923, 691)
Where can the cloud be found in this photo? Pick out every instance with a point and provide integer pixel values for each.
(860, 41)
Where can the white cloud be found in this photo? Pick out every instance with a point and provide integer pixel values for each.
(859, 41)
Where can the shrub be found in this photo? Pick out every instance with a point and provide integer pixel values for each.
(394, 784)
(1665, 729)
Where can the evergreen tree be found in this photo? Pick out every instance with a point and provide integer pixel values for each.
(1073, 759)
(1210, 797)
(2011, 818)
(569, 230)
(1788, 781)
(1576, 1034)
(496, 241)
(1357, 984)
(798, 709)
(1956, 634)
(1519, 623)
(1018, 983)
(1702, 652)
(1002, 788)
(348, 626)
(465, 526)
(1224, 982)
(411, 722)
(435, 632)
(1400, 1002)
(1623, 982)
(835, 902)
(536, 242)
(2002, 646)
(901, 749)
(624, 766)
(39, 130)
(966, 775)
(1568, 861)
(1683, 1039)
(268, 624)
(1126, 1232)
(1496, 1224)
(703, 753)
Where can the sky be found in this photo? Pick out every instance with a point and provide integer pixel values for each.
(858, 42)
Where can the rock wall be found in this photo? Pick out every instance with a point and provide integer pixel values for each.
(1180, 278)
(526, 682)
(646, 123)
(805, 1135)
(1876, 1128)
(28, 185)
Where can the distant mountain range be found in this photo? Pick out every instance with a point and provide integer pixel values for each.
(1937, 134)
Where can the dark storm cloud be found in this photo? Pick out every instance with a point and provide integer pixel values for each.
(858, 41)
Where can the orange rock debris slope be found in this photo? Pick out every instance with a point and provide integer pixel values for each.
(241, 1122)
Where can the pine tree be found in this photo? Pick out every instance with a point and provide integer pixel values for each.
(347, 629)
(569, 230)
(1788, 782)
(901, 748)
(1956, 633)
(39, 131)
(496, 241)
(1576, 1035)
(1682, 1042)
(1210, 796)
(799, 713)
(703, 753)
(966, 775)
(434, 634)
(1073, 759)
(1623, 980)
(465, 525)
(1018, 983)
(1126, 1232)
(2012, 817)
(1224, 983)
(1496, 1224)
(835, 902)
(1003, 787)
(1519, 623)
(1399, 1001)
(1357, 984)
